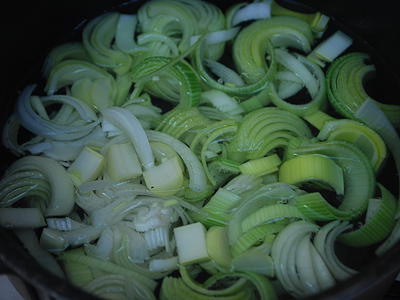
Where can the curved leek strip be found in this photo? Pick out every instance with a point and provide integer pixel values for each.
(269, 214)
(330, 49)
(318, 119)
(253, 11)
(315, 207)
(317, 21)
(220, 134)
(130, 125)
(313, 167)
(261, 166)
(233, 289)
(125, 33)
(370, 114)
(111, 285)
(324, 242)
(181, 120)
(345, 88)
(254, 261)
(250, 45)
(359, 179)
(46, 260)
(242, 90)
(197, 177)
(72, 50)
(69, 71)
(315, 86)
(186, 78)
(283, 253)
(19, 218)
(97, 38)
(265, 195)
(61, 201)
(175, 289)
(367, 140)
(152, 40)
(222, 102)
(263, 130)
(379, 225)
(227, 75)
(46, 128)
(108, 267)
(254, 236)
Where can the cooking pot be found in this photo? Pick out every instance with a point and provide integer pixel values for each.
(32, 28)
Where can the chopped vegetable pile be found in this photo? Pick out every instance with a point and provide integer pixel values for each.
(183, 152)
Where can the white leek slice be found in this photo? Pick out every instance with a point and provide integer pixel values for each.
(165, 179)
(130, 125)
(164, 265)
(87, 166)
(122, 162)
(218, 246)
(191, 243)
(331, 48)
(253, 11)
(124, 37)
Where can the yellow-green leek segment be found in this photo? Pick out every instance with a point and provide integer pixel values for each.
(313, 167)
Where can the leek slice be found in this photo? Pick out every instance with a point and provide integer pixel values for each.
(324, 243)
(345, 88)
(61, 199)
(367, 140)
(261, 166)
(314, 167)
(378, 227)
(250, 46)
(186, 78)
(122, 162)
(358, 174)
(218, 246)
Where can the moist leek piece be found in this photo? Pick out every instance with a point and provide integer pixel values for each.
(98, 36)
(318, 119)
(261, 166)
(359, 179)
(254, 200)
(222, 102)
(59, 198)
(250, 45)
(283, 253)
(39, 123)
(87, 166)
(379, 222)
(164, 265)
(315, 207)
(345, 79)
(166, 179)
(312, 77)
(71, 50)
(163, 152)
(317, 21)
(181, 120)
(122, 162)
(264, 130)
(69, 71)
(365, 138)
(188, 82)
(330, 49)
(254, 261)
(324, 242)
(218, 246)
(197, 177)
(130, 125)
(252, 11)
(312, 168)
(370, 114)
(218, 208)
(254, 236)
(191, 243)
(270, 214)
(125, 34)
(21, 218)
(243, 90)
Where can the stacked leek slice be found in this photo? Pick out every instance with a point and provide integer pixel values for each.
(198, 151)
